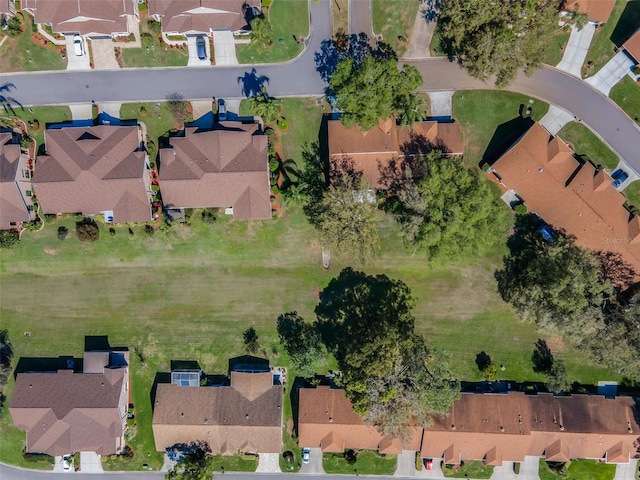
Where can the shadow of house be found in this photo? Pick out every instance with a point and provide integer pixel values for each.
(627, 25)
(185, 365)
(47, 364)
(249, 363)
(160, 378)
(506, 135)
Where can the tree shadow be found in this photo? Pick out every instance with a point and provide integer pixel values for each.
(627, 25)
(315, 176)
(430, 9)
(483, 360)
(252, 83)
(542, 357)
(505, 136)
(7, 101)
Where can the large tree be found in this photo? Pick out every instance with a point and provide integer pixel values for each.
(372, 89)
(348, 220)
(498, 37)
(196, 464)
(554, 283)
(302, 343)
(265, 106)
(447, 210)
(389, 373)
(261, 33)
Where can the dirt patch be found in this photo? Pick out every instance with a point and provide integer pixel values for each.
(50, 251)
(556, 345)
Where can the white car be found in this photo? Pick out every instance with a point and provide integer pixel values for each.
(66, 463)
(305, 455)
(78, 45)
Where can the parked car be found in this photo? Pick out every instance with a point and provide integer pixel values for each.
(619, 176)
(67, 463)
(222, 110)
(428, 463)
(305, 455)
(78, 45)
(547, 233)
(201, 47)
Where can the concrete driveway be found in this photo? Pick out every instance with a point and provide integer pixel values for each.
(194, 61)
(77, 62)
(406, 464)
(90, 462)
(360, 17)
(611, 73)
(626, 471)
(315, 463)
(269, 463)
(423, 27)
(576, 50)
(529, 468)
(104, 55)
(224, 48)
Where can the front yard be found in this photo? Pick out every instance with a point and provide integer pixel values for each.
(627, 95)
(366, 463)
(37, 118)
(578, 470)
(394, 20)
(587, 145)
(290, 22)
(467, 469)
(154, 52)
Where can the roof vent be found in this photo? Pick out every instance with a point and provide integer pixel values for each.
(246, 416)
(182, 414)
(561, 428)
(453, 427)
(30, 385)
(520, 419)
(540, 170)
(102, 384)
(330, 419)
(501, 428)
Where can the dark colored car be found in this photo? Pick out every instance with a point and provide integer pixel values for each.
(201, 48)
(222, 110)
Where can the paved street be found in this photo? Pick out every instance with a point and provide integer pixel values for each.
(360, 17)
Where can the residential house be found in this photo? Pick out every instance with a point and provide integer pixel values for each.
(225, 166)
(505, 427)
(568, 194)
(374, 150)
(15, 183)
(86, 17)
(68, 411)
(204, 16)
(598, 11)
(95, 170)
(326, 420)
(7, 11)
(632, 46)
(243, 416)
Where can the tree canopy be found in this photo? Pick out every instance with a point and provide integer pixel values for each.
(372, 89)
(265, 106)
(261, 33)
(389, 373)
(498, 38)
(196, 464)
(301, 342)
(447, 210)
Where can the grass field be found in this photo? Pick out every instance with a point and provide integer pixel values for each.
(340, 14)
(579, 470)
(23, 54)
(289, 21)
(587, 145)
(627, 94)
(555, 48)
(158, 120)
(472, 469)
(367, 463)
(617, 29)
(153, 52)
(491, 121)
(394, 20)
(632, 192)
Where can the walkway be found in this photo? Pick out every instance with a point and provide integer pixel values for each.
(423, 27)
(606, 78)
(576, 50)
(555, 119)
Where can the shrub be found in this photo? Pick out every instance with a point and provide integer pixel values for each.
(520, 209)
(14, 27)
(350, 456)
(273, 165)
(485, 167)
(38, 458)
(9, 238)
(149, 230)
(87, 230)
(112, 231)
(26, 142)
(275, 190)
(208, 216)
(62, 232)
(637, 70)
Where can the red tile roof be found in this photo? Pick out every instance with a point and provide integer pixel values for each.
(569, 195)
(632, 46)
(224, 167)
(94, 169)
(599, 10)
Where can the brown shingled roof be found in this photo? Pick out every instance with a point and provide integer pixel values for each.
(599, 10)
(326, 419)
(14, 183)
(65, 412)
(94, 169)
(632, 46)
(82, 16)
(245, 416)
(506, 427)
(373, 149)
(226, 166)
(569, 195)
(191, 16)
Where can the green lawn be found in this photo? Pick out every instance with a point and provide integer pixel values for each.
(158, 120)
(473, 469)
(587, 145)
(617, 27)
(579, 470)
(394, 20)
(41, 116)
(340, 14)
(290, 21)
(304, 124)
(153, 53)
(481, 112)
(436, 47)
(632, 192)
(24, 54)
(627, 94)
(367, 463)
(236, 463)
(555, 48)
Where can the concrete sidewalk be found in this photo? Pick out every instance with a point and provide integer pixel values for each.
(555, 119)
(576, 51)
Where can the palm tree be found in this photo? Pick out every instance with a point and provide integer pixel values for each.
(580, 20)
(265, 106)
(411, 109)
(261, 33)
(296, 194)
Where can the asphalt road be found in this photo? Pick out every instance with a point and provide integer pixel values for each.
(360, 17)
(299, 78)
